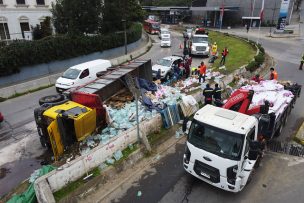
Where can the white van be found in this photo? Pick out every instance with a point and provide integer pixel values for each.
(81, 74)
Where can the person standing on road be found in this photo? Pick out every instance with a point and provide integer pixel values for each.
(217, 92)
(208, 92)
(158, 75)
(273, 74)
(247, 28)
(257, 78)
(202, 72)
(225, 52)
(302, 62)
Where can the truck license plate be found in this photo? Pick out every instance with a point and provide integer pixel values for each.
(205, 175)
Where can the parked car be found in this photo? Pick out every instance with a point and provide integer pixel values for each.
(164, 33)
(81, 74)
(166, 65)
(1, 118)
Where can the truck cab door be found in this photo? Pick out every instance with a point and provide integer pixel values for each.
(247, 164)
(55, 139)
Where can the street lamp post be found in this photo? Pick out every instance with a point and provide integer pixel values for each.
(270, 29)
(125, 34)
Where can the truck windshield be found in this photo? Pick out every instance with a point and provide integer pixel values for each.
(223, 143)
(164, 62)
(71, 73)
(155, 26)
(200, 39)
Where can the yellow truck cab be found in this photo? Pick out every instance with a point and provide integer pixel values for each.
(66, 124)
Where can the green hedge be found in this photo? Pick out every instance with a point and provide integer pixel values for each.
(258, 60)
(25, 53)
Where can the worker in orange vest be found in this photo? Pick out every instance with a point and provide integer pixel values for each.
(202, 72)
(273, 74)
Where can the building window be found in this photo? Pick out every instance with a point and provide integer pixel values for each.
(22, 2)
(40, 2)
(1, 2)
(4, 32)
(24, 27)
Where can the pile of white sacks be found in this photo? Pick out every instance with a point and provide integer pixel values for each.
(272, 91)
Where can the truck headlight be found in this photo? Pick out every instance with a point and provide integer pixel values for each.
(193, 48)
(187, 155)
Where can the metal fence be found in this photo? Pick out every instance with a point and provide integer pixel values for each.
(286, 148)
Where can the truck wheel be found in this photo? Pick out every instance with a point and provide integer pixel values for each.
(167, 77)
(51, 99)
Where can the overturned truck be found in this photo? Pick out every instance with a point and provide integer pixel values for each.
(72, 116)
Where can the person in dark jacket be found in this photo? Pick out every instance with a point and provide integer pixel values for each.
(208, 92)
(158, 74)
(217, 92)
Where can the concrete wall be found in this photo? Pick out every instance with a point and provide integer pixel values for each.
(40, 70)
(50, 79)
(74, 170)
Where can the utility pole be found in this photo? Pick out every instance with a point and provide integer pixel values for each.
(273, 13)
(125, 34)
(252, 10)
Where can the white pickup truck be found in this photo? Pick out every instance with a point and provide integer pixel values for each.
(224, 145)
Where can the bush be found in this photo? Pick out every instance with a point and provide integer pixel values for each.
(26, 53)
(260, 58)
(252, 66)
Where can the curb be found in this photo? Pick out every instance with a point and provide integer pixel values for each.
(299, 137)
(25, 87)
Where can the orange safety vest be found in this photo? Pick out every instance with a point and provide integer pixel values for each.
(274, 75)
(203, 69)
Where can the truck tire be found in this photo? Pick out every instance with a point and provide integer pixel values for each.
(51, 99)
(167, 77)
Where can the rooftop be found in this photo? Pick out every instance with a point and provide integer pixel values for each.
(226, 119)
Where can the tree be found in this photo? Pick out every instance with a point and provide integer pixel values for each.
(77, 16)
(43, 30)
(114, 11)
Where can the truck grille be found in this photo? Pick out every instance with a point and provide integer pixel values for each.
(210, 173)
(200, 48)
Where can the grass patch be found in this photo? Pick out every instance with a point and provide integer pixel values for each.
(74, 185)
(240, 52)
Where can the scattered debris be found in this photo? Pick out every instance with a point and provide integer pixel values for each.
(118, 155)
(139, 193)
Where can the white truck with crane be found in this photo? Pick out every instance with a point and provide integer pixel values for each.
(225, 144)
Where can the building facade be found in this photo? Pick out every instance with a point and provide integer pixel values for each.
(17, 17)
(236, 12)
